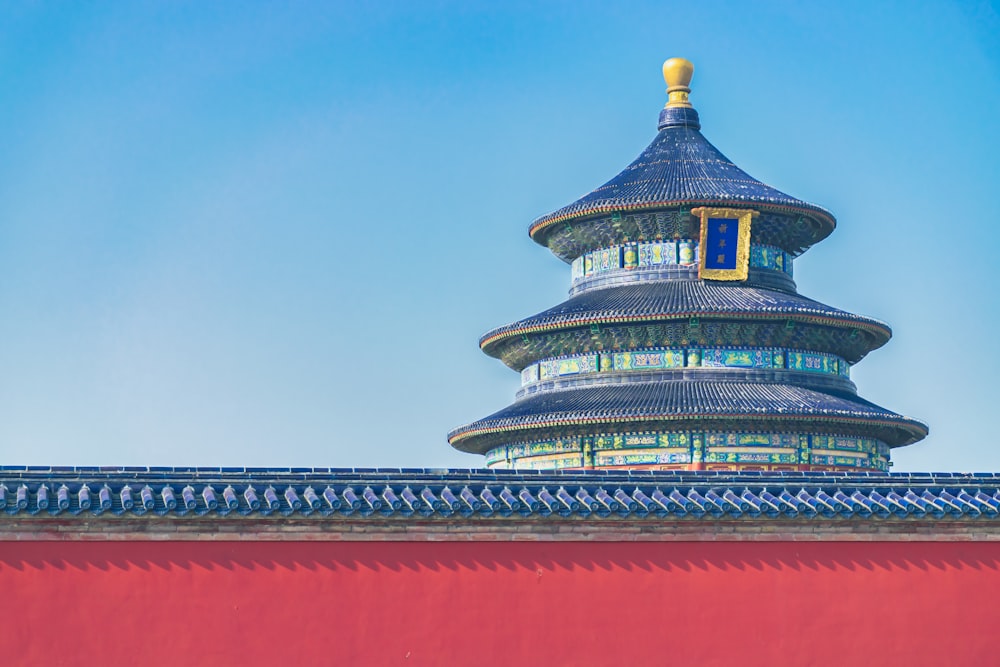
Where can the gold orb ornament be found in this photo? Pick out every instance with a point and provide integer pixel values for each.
(677, 73)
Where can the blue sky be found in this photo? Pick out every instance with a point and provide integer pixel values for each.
(271, 234)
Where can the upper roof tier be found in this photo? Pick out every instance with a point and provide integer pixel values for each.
(681, 169)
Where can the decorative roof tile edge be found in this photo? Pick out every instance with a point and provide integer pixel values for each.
(543, 222)
(85, 494)
(859, 322)
(545, 421)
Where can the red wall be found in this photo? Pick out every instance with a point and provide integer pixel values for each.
(553, 603)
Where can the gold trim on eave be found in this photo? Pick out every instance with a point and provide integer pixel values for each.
(744, 217)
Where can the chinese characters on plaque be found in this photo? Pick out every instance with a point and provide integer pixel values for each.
(725, 243)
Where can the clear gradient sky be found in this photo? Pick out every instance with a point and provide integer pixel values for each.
(254, 234)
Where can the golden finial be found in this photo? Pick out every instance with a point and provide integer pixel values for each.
(677, 73)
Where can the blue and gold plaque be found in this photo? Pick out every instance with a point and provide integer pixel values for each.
(725, 243)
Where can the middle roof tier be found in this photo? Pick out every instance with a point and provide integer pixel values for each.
(684, 313)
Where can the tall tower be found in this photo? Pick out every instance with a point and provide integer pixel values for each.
(684, 343)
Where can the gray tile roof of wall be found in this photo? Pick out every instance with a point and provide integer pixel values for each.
(403, 493)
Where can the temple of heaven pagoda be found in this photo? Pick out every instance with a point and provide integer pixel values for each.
(684, 343)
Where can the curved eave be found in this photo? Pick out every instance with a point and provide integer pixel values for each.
(489, 341)
(570, 214)
(684, 401)
(460, 436)
(674, 300)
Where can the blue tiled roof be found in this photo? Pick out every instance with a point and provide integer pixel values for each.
(672, 401)
(672, 299)
(362, 494)
(682, 167)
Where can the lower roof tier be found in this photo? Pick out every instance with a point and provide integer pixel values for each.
(690, 304)
(686, 404)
